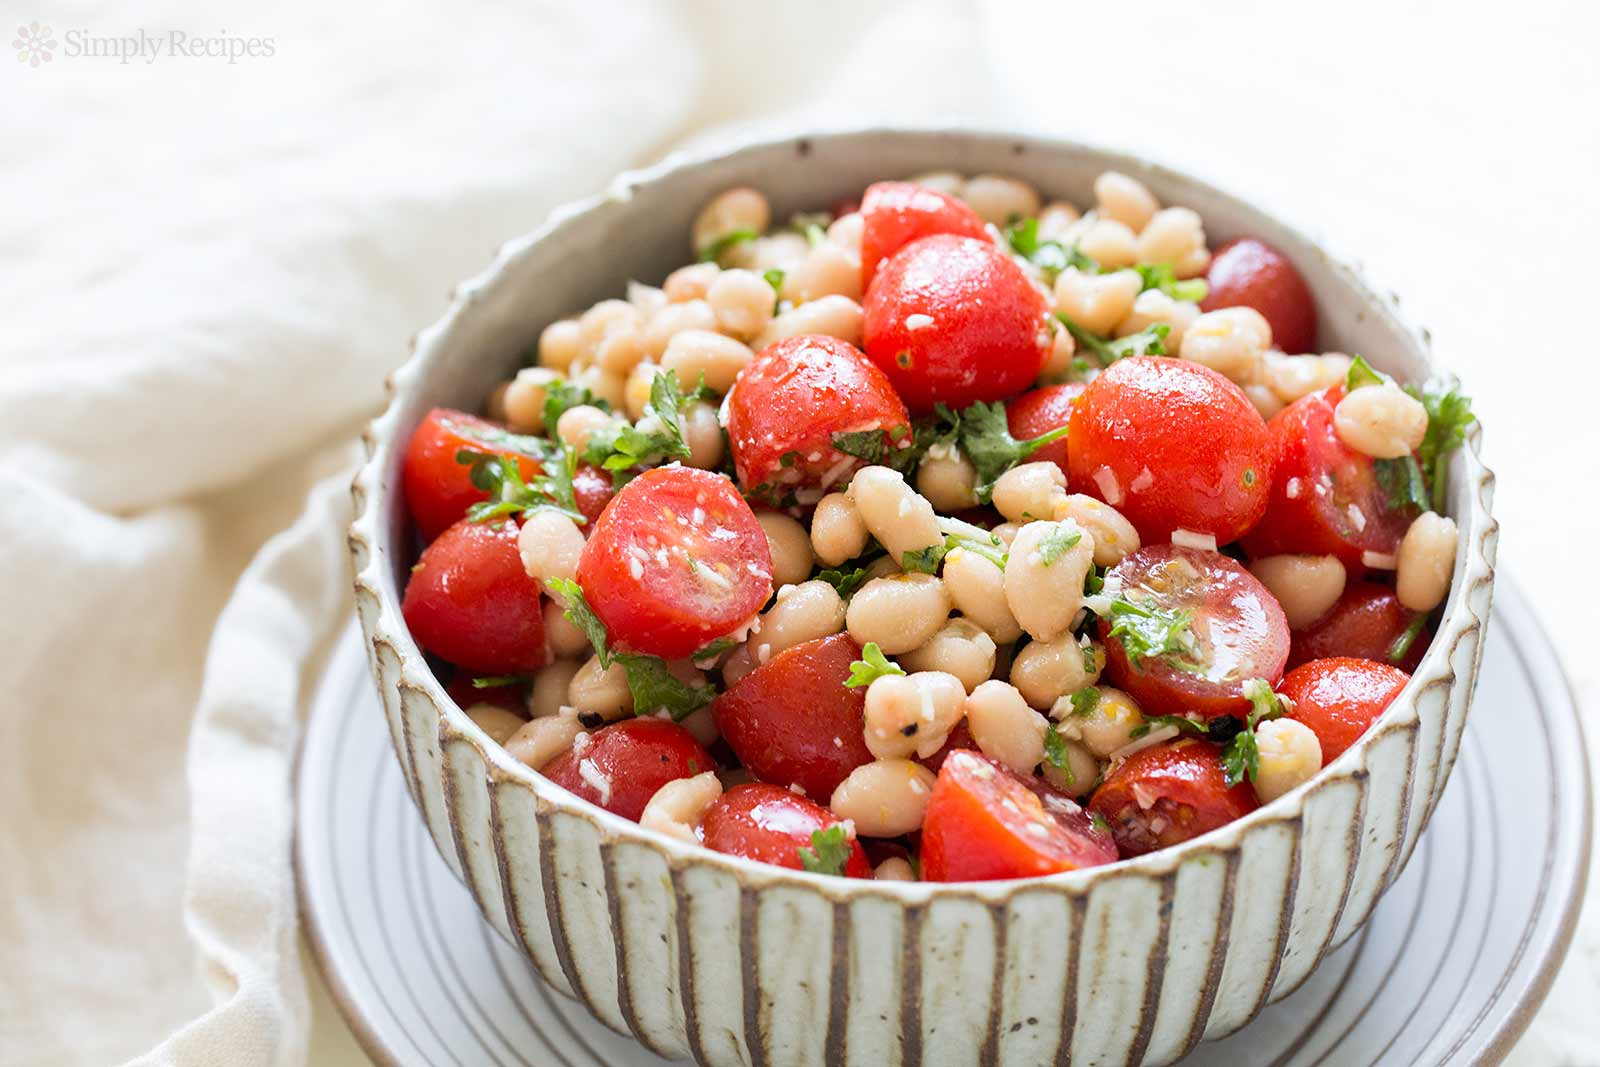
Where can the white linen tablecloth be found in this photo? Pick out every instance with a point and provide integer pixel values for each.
(211, 265)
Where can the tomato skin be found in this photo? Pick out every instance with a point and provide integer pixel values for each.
(637, 756)
(1233, 616)
(954, 320)
(893, 214)
(960, 738)
(438, 490)
(1316, 519)
(1340, 698)
(783, 718)
(1177, 444)
(644, 572)
(592, 490)
(469, 600)
(1188, 796)
(792, 398)
(1039, 411)
(1363, 623)
(765, 822)
(971, 835)
(1248, 272)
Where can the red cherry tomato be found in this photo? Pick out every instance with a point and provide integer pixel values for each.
(627, 762)
(1238, 629)
(470, 601)
(1247, 272)
(1173, 446)
(676, 561)
(768, 823)
(1039, 411)
(985, 822)
(960, 738)
(893, 214)
(954, 320)
(438, 490)
(1339, 698)
(465, 694)
(592, 490)
(1364, 623)
(1325, 497)
(793, 722)
(1168, 794)
(790, 401)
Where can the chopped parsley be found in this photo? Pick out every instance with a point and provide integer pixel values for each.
(1360, 375)
(1449, 415)
(812, 225)
(1160, 276)
(872, 665)
(975, 539)
(774, 276)
(846, 582)
(715, 250)
(623, 447)
(1084, 701)
(1402, 483)
(500, 476)
(829, 851)
(497, 680)
(1241, 759)
(561, 395)
(1183, 723)
(1058, 542)
(869, 445)
(1149, 632)
(1051, 257)
(986, 439)
(1150, 341)
(1408, 637)
(1058, 755)
(923, 560)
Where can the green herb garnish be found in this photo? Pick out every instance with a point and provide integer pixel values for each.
(1241, 759)
(872, 665)
(829, 851)
(1160, 276)
(1150, 341)
(715, 250)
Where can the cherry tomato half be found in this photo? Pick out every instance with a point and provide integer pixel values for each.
(438, 490)
(790, 401)
(469, 600)
(592, 490)
(1364, 623)
(954, 320)
(1239, 632)
(986, 822)
(676, 560)
(1247, 272)
(1173, 446)
(1168, 794)
(627, 762)
(768, 823)
(1325, 498)
(893, 214)
(1340, 698)
(1039, 411)
(793, 722)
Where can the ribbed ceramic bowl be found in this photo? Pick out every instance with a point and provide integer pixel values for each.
(731, 962)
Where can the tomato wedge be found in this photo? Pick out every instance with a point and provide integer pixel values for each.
(1325, 497)
(1340, 698)
(1173, 446)
(592, 490)
(1236, 631)
(1168, 794)
(954, 320)
(790, 402)
(893, 214)
(986, 822)
(793, 722)
(1039, 411)
(1247, 272)
(438, 490)
(676, 560)
(469, 600)
(624, 764)
(768, 823)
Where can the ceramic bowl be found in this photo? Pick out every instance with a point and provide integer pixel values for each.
(731, 962)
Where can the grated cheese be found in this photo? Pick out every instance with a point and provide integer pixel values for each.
(1190, 539)
(1380, 561)
(1108, 485)
(596, 778)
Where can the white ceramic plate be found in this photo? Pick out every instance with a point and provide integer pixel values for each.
(1449, 969)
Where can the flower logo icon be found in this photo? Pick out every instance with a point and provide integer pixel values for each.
(33, 44)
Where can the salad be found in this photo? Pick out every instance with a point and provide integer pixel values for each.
(947, 534)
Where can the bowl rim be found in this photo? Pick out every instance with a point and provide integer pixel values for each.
(1478, 532)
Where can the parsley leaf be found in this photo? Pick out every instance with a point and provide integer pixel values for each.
(829, 851)
(1449, 415)
(581, 615)
(1402, 484)
(870, 445)
(1361, 374)
(1058, 755)
(510, 494)
(497, 680)
(1085, 700)
(1161, 276)
(562, 395)
(1149, 632)
(1051, 257)
(1407, 638)
(989, 546)
(713, 650)
(774, 276)
(986, 439)
(812, 225)
(623, 447)
(846, 582)
(1184, 724)
(715, 250)
(923, 560)
(1150, 341)
(870, 667)
(1058, 541)
(1241, 758)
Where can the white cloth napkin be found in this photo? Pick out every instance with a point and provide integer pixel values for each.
(213, 265)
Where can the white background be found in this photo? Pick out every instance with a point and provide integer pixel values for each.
(209, 268)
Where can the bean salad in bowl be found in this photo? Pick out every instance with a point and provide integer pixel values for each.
(947, 534)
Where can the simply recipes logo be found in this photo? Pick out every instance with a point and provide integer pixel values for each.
(37, 44)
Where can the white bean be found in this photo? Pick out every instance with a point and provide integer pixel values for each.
(600, 320)
(1288, 756)
(1055, 219)
(977, 587)
(845, 231)
(542, 740)
(1292, 377)
(674, 319)
(999, 199)
(600, 695)
(1081, 774)
(621, 350)
(1044, 576)
(1045, 671)
(561, 635)
(548, 694)
(549, 544)
(961, 648)
(693, 353)
(1005, 727)
(743, 302)
(947, 479)
(790, 546)
(947, 182)
(827, 270)
(898, 516)
(703, 434)
(1175, 235)
(1118, 196)
(831, 316)
(1381, 421)
(1109, 243)
(898, 613)
(559, 344)
(599, 381)
(524, 398)
(1029, 491)
(802, 613)
(1058, 365)
(1097, 302)
(1304, 586)
(1105, 726)
(693, 282)
(837, 532)
(885, 798)
(730, 211)
(1231, 341)
(576, 424)
(1264, 400)
(910, 714)
(495, 721)
(678, 806)
(1153, 306)
(1114, 536)
(894, 869)
(1427, 557)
